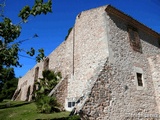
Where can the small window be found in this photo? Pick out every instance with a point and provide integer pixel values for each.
(139, 79)
(134, 39)
(71, 104)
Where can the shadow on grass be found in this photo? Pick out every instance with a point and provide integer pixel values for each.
(74, 117)
(11, 105)
(63, 118)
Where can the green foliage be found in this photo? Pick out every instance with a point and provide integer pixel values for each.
(38, 8)
(8, 83)
(26, 111)
(9, 32)
(9, 88)
(45, 103)
(31, 52)
(1, 97)
(40, 55)
(48, 82)
(9, 52)
(9, 49)
(25, 13)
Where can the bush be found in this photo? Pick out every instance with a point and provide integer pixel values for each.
(46, 104)
(2, 97)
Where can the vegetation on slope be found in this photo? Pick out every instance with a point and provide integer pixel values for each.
(45, 103)
(16, 110)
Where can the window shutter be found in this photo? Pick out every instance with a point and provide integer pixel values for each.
(134, 39)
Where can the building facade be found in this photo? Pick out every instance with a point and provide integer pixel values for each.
(110, 65)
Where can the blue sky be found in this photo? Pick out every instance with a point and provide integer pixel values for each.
(53, 27)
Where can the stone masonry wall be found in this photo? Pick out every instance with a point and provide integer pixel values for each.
(61, 92)
(90, 48)
(154, 62)
(60, 60)
(96, 107)
(95, 38)
(123, 98)
(75, 57)
(131, 98)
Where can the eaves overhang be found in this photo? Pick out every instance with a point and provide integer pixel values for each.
(112, 10)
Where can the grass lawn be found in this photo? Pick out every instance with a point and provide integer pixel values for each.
(16, 110)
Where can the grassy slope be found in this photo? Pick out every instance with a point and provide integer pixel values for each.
(24, 111)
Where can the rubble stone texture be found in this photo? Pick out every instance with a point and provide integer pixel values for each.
(101, 66)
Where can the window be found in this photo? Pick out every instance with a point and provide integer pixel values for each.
(71, 104)
(46, 64)
(134, 39)
(139, 79)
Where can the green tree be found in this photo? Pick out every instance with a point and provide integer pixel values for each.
(8, 83)
(9, 32)
(45, 103)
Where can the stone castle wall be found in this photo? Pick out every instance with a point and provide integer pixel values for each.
(61, 59)
(134, 99)
(61, 92)
(75, 57)
(154, 62)
(90, 48)
(116, 94)
(97, 57)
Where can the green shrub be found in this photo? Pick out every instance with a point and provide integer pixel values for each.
(46, 104)
(1, 97)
